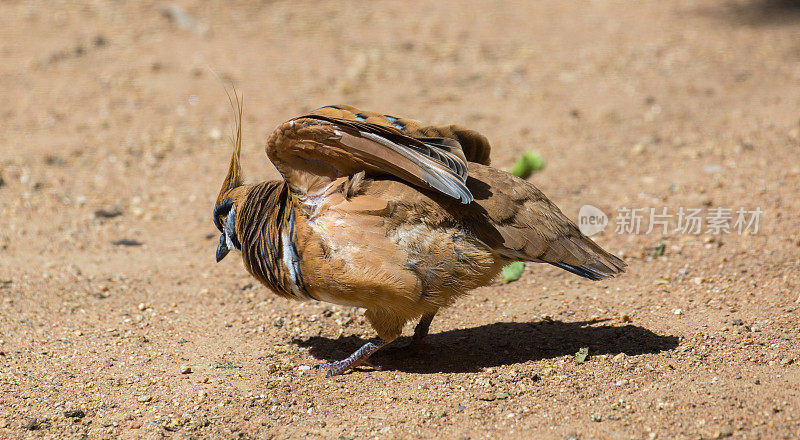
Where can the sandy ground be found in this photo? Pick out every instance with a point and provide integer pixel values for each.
(115, 322)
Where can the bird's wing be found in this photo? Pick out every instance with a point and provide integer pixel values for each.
(475, 145)
(519, 222)
(313, 150)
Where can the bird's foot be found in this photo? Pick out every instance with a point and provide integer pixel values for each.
(340, 367)
(359, 357)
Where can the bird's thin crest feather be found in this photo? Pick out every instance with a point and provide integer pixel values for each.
(234, 177)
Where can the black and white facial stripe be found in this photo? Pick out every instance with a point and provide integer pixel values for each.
(228, 239)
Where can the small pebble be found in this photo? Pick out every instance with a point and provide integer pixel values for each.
(74, 413)
(724, 431)
(145, 398)
(186, 369)
(596, 417)
(31, 424)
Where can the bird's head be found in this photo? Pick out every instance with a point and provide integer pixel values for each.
(230, 195)
(225, 220)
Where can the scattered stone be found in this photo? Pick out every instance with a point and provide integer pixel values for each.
(757, 382)
(54, 160)
(175, 13)
(487, 397)
(108, 212)
(502, 396)
(32, 424)
(127, 242)
(172, 425)
(145, 398)
(723, 432)
(787, 361)
(596, 417)
(737, 321)
(135, 424)
(186, 369)
(677, 311)
(215, 134)
(74, 414)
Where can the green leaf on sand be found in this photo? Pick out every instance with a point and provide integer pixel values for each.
(529, 163)
(513, 271)
(581, 355)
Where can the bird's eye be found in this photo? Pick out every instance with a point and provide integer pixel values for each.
(221, 211)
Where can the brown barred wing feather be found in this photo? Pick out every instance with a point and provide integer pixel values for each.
(474, 145)
(313, 150)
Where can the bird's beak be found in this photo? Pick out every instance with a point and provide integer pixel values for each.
(222, 249)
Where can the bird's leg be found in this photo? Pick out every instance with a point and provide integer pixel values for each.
(421, 330)
(358, 357)
(417, 341)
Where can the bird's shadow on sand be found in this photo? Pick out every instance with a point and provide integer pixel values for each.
(755, 12)
(502, 343)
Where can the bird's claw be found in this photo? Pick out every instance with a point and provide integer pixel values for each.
(340, 367)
